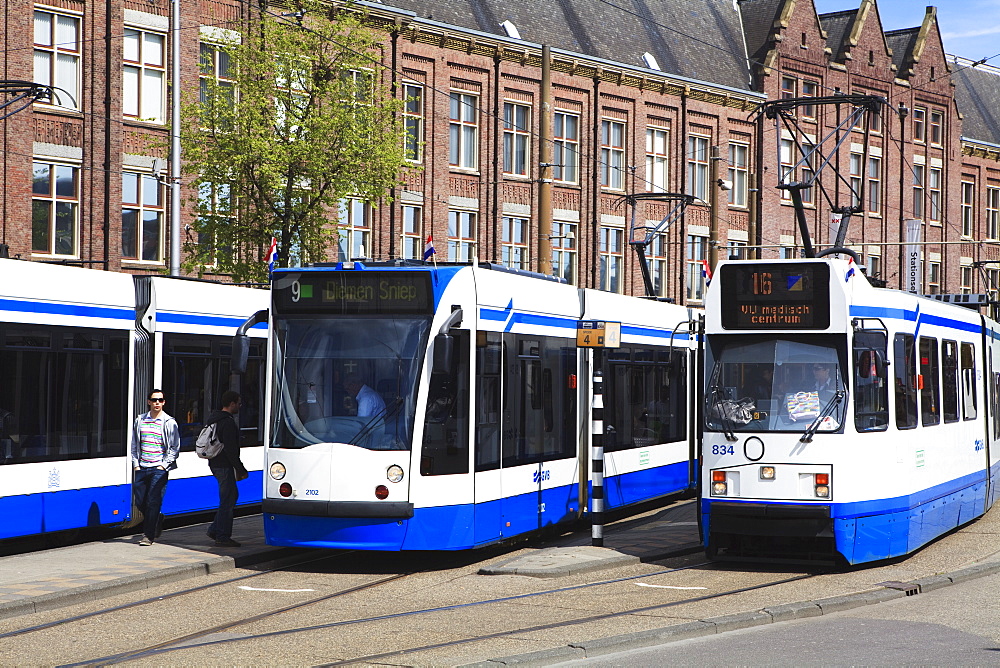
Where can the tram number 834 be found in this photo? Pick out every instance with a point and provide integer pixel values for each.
(723, 450)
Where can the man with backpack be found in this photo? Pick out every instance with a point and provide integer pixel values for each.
(226, 467)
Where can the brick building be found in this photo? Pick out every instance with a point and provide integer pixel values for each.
(661, 99)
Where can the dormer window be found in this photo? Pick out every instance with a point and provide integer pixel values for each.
(650, 61)
(510, 30)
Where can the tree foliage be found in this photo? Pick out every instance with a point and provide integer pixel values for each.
(290, 120)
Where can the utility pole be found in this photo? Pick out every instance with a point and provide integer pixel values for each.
(713, 205)
(545, 170)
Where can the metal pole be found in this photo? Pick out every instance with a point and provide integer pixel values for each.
(597, 459)
(713, 205)
(175, 139)
(545, 169)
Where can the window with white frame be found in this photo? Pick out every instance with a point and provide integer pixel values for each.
(992, 213)
(737, 250)
(918, 191)
(142, 217)
(874, 184)
(919, 124)
(214, 71)
(413, 232)
(55, 206)
(696, 253)
(657, 141)
(936, 127)
(934, 195)
(355, 228)
(464, 131)
(788, 253)
(516, 138)
(612, 258)
(413, 120)
(215, 204)
(564, 251)
(992, 282)
(857, 182)
(788, 86)
(738, 174)
(657, 258)
(461, 236)
(144, 75)
(807, 172)
(809, 89)
(874, 266)
(966, 277)
(790, 156)
(968, 212)
(57, 56)
(934, 278)
(613, 154)
(787, 160)
(697, 164)
(514, 242)
(566, 147)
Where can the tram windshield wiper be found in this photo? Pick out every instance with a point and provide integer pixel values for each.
(831, 405)
(381, 417)
(724, 418)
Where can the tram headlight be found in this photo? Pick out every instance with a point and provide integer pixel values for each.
(277, 471)
(767, 473)
(719, 485)
(394, 473)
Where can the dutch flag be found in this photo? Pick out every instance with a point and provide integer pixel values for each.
(706, 272)
(272, 255)
(429, 248)
(850, 272)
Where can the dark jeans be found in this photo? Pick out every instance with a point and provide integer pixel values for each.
(222, 525)
(148, 486)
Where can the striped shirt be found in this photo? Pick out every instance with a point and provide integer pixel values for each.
(151, 449)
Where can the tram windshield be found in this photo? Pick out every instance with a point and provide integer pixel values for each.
(347, 380)
(789, 384)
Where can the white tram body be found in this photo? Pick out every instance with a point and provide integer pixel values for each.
(484, 426)
(79, 351)
(842, 421)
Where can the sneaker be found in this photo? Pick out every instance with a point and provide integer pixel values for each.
(226, 542)
(146, 542)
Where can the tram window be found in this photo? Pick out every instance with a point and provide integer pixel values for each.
(445, 449)
(929, 385)
(969, 411)
(539, 408)
(489, 357)
(949, 376)
(871, 389)
(905, 379)
(645, 392)
(58, 402)
(196, 373)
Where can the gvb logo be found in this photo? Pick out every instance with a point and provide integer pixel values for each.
(54, 478)
(980, 445)
(539, 476)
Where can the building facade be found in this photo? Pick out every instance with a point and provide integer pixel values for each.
(661, 101)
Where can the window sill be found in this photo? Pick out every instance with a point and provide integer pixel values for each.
(143, 263)
(59, 111)
(470, 171)
(135, 122)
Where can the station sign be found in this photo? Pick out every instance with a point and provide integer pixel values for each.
(598, 334)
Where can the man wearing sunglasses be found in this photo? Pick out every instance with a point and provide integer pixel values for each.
(156, 442)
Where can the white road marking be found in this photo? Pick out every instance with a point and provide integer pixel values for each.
(643, 584)
(292, 591)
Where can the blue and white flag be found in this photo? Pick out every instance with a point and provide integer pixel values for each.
(429, 248)
(272, 255)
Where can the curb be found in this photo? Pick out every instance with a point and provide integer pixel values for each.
(724, 624)
(123, 585)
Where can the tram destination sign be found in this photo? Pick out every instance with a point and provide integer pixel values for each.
(775, 296)
(354, 292)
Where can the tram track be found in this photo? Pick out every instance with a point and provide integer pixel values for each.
(166, 597)
(188, 641)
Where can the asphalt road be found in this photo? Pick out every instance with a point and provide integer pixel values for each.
(952, 626)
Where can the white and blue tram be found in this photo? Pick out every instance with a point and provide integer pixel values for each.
(79, 351)
(842, 421)
(482, 427)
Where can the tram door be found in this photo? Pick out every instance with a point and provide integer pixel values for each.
(488, 390)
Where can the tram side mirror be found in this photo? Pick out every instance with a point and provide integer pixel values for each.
(443, 360)
(241, 352)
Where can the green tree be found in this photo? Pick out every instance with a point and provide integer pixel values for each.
(289, 121)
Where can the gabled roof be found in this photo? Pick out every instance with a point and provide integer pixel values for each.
(838, 26)
(696, 39)
(759, 17)
(902, 42)
(977, 93)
